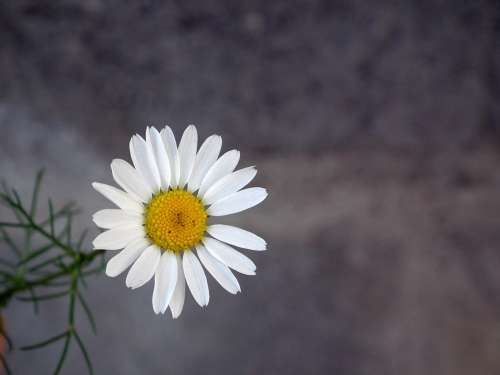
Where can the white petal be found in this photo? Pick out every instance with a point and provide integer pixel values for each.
(144, 161)
(118, 197)
(237, 237)
(171, 146)
(223, 166)
(218, 270)
(144, 268)
(195, 278)
(206, 157)
(177, 301)
(130, 180)
(112, 218)
(118, 238)
(230, 257)
(187, 154)
(161, 157)
(229, 184)
(165, 279)
(123, 260)
(240, 201)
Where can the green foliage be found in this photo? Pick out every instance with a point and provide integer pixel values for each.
(54, 270)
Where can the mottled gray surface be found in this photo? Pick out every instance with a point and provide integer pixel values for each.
(375, 128)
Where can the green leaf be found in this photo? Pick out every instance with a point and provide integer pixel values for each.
(51, 217)
(7, 200)
(82, 280)
(7, 275)
(72, 298)
(36, 253)
(63, 353)
(14, 225)
(48, 262)
(84, 352)
(8, 240)
(18, 203)
(47, 266)
(45, 342)
(81, 240)
(40, 251)
(69, 224)
(5, 365)
(87, 311)
(10, 345)
(44, 297)
(5, 189)
(7, 264)
(34, 298)
(55, 215)
(36, 191)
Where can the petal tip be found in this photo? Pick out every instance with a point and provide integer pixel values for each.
(175, 314)
(265, 193)
(115, 161)
(110, 273)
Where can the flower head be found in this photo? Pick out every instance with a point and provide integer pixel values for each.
(162, 223)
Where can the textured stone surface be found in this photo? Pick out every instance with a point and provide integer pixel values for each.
(312, 74)
(374, 127)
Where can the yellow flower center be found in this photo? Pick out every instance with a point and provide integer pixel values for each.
(175, 220)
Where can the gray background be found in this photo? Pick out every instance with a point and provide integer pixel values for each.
(375, 127)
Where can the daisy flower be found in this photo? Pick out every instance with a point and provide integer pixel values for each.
(165, 203)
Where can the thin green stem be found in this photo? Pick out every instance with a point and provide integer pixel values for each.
(47, 262)
(31, 223)
(87, 311)
(63, 354)
(5, 365)
(8, 240)
(61, 263)
(14, 225)
(84, 352)
(36, 191)
(51, 217)
(44, 297)
(23, 285)
(34, 298)
(43, 343)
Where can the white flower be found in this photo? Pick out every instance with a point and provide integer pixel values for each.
(162, 217)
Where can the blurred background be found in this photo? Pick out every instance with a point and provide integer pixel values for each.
(374, 125)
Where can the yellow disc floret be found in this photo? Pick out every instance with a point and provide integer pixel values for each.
(175, 220)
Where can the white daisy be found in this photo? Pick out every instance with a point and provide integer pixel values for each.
(161, 222)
